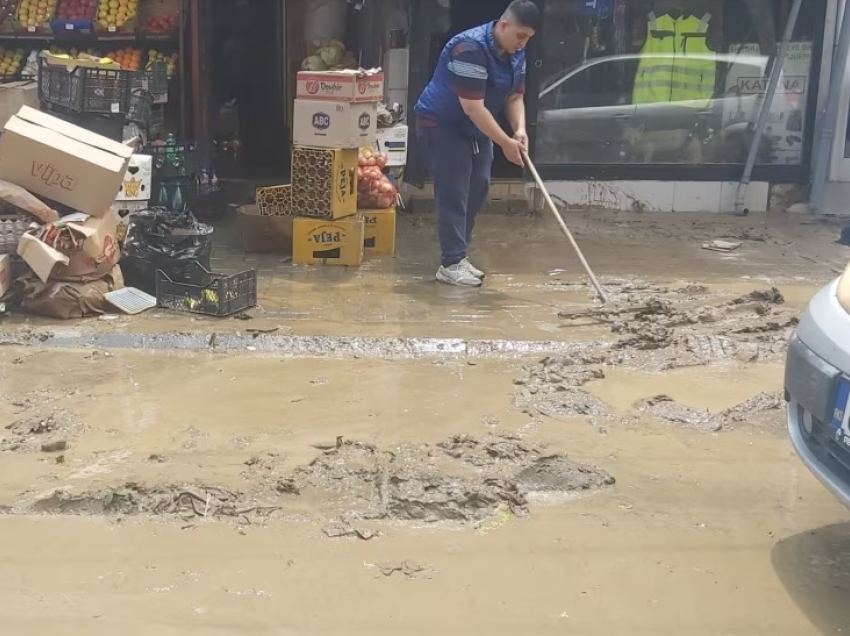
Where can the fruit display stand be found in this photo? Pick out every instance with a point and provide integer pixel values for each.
(74, 16)
(34, 17)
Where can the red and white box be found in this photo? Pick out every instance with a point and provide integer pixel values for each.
(341, 86)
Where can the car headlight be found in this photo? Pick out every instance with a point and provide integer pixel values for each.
(842, 291)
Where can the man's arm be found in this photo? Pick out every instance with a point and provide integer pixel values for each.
(468, 80)
(515, 114)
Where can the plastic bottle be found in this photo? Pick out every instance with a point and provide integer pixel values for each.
(171, 148)
(178, 201)
(215, 185)
(162, 195)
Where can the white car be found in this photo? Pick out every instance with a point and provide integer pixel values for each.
(817, 387)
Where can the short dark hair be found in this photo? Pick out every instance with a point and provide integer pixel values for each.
(525, 13)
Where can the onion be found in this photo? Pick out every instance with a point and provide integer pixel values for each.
(381, 160)
(386, 188)
(361, 161)
(368, 154)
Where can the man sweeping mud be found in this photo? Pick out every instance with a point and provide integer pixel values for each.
(479, 76)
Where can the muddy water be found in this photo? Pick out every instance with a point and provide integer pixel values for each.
(702, 533)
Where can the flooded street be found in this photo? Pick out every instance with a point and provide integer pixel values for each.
(517, 461)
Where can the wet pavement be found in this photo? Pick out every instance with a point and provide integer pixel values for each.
(371, 453)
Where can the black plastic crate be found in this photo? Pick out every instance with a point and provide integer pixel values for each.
(154, 81)
(176, 160)
(110, 126)
(85, 89)
(141, 106)
(208, 293)
(156, 125)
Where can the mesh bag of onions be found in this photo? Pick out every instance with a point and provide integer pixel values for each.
(374, 189)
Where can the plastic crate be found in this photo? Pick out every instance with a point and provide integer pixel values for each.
(156, 125)
(154, 81)
(141, 104)
(208, 293)
(177, 160)
(12, 228)
(85, 89)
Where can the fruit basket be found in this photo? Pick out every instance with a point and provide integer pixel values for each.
(34, 16)
(84, 89)
(7, 17)
(116, 16)
(208, 293)
(11, 63)
(159, 19)
(74, 16)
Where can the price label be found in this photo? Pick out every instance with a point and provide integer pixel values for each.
(111, 28)
(115, 107)
(69, 27)
(31, 29)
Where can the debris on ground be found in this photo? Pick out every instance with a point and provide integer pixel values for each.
(721, 246)
(38, 429)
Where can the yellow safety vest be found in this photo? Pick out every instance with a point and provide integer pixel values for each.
(668, 70)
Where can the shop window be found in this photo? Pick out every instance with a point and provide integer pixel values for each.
(640, 82)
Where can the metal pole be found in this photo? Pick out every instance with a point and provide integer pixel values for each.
(764, 110)
(827, 130)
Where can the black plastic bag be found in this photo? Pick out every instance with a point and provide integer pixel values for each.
(160, 239)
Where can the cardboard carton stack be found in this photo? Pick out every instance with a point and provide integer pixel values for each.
(73, 259)
(335, 115)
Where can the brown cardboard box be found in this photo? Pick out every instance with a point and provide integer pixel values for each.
(380, 225)
(5, 273)
(63, 162)
(325, 242)
(341, 86)
(98, 255)
(264, 234)
(334, 125)
(13, 96)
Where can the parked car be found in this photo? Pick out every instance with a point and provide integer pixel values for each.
(587, 112)
(817, 387)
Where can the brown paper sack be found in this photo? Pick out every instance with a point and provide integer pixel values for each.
(68, 300)
(17, 196)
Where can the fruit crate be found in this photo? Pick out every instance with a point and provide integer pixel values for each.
(177, 160)
(12, 62)
(85, 89)
(274, 200)
(141, 104)
(115, 19)
(208, 293)
(8, 24)
(31, 19)
(74, 16)
(159, 19)
(12, 228)
(154, 81)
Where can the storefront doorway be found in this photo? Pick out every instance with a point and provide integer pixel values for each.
(245, 58)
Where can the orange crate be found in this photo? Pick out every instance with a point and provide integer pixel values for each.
(30, 20)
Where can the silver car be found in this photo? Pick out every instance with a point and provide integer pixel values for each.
(817, 387)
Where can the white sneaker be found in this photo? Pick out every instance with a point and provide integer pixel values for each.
(457, 275)
(472, 269)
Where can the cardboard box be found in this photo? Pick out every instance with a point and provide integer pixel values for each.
(380, 227)
(324, 182)
(322, 242)
(393, 142)
(63, 162)
(5, 274)
(13, 96)
(262, 234)
(136, 183)
(334, 125)
(341, 86)
(97, 256)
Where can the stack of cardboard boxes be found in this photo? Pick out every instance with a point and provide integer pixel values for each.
(335, 116)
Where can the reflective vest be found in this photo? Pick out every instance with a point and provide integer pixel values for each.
(669, 70)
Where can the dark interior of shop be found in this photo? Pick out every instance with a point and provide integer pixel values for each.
(246, 88)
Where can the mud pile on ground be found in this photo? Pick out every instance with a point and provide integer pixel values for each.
(463, 479)
(552, 387)
(39, 429)
(764, 410)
